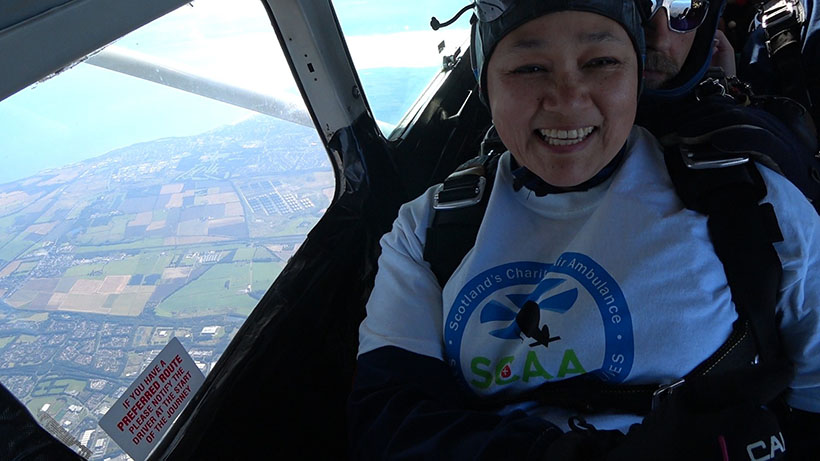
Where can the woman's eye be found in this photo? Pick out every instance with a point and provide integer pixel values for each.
(602, 62)
(528, 69)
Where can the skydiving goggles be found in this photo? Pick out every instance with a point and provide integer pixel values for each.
(682, 15)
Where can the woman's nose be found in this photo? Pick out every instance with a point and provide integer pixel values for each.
(567, 91)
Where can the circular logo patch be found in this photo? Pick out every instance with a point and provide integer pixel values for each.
(508, 310)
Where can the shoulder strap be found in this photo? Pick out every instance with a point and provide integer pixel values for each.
(742, 230)
(458, 210)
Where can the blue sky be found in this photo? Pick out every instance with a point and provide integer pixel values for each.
(87, 111)
(41, 130)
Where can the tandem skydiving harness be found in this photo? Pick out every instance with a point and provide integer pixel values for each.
(728, 189)
(775, 131)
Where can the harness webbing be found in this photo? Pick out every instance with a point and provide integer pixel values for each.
(453, 230)
(743, 232)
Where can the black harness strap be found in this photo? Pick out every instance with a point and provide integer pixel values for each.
(719, 380)
(459, 204)
(743, 232)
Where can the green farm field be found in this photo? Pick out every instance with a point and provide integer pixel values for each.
(221, 290)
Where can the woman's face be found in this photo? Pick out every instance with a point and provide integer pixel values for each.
(563, 94)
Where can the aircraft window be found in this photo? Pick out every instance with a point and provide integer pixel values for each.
(132, 212)
(395, 51)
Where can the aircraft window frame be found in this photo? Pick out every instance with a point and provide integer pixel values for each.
(300, 112)
(404, 30)
(54, 22)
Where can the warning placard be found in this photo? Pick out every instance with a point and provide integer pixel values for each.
(146, 409)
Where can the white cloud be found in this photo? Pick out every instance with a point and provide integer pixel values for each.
(404, 49)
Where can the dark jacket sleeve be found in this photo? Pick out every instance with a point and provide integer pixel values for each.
(408, 406)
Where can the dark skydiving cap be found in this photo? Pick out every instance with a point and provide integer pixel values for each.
(497, 18)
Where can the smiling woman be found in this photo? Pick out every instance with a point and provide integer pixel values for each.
(564, 104)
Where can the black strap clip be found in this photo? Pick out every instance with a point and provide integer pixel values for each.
(777, 17)
(704, 157)
(461, 189)
(664, 391)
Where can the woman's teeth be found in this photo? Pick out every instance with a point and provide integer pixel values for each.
(565, 137)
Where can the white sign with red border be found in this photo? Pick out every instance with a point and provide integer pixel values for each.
(147, 408)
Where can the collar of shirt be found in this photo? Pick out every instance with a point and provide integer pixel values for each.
(523, 177)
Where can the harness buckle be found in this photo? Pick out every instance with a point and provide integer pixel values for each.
(707, 159)
(777, 17)
(461, 189)
(774, 14)
(664, 391)
(710, 86)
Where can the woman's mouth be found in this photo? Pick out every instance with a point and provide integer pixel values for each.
(555, 137)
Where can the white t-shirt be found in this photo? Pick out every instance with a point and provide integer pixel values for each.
(621, 281)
